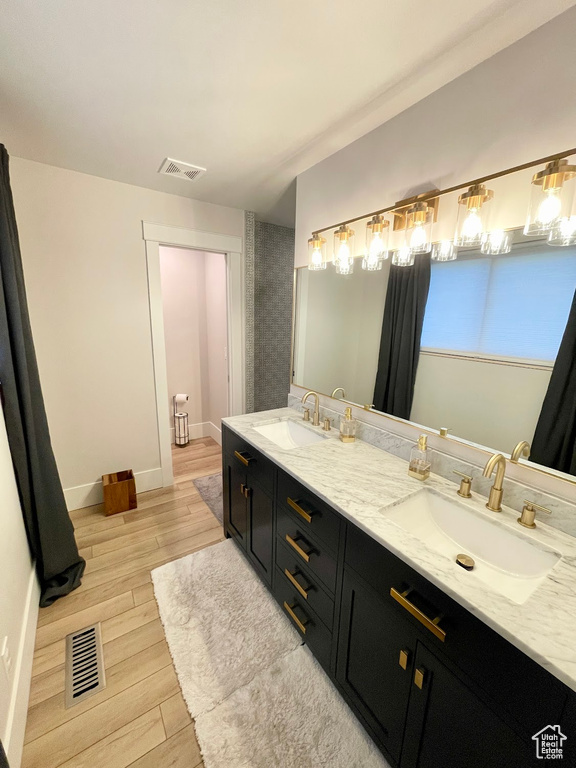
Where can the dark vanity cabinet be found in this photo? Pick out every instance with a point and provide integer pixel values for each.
(248, 487)
(433, 685)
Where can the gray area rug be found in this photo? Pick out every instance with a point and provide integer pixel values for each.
(259, 698)
(210, 488)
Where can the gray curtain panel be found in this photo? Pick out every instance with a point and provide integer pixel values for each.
(406, 299)
(554, 443)
(48, 526)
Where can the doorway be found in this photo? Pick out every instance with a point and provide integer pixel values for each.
(193, 286)
(229, 247)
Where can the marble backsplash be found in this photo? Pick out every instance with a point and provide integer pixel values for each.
(563, 515)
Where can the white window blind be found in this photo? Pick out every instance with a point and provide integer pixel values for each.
(512, 306)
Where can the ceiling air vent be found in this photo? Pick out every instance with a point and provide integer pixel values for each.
(181, 170)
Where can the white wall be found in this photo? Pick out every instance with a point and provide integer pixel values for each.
(501, 405)
(19, 598)
(216, 339)
(195, 331)
(85, 270)
(511, 109)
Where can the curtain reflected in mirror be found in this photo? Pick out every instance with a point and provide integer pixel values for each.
(491, 334)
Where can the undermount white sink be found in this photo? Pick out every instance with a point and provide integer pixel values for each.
(289, 434)
(510, 564)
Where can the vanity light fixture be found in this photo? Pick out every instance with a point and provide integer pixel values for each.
(317, 252)
(344, 250)
(496, 242)
(551, 197)
(564, 233)
(445, 250)
(377, 232)
(419, 219)
(471, 223)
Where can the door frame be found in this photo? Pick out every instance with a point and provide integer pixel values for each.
(154, 236)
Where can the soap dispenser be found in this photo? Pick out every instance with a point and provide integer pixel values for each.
(347, 427)
(419, 466)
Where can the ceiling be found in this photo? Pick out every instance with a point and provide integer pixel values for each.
(253, 90)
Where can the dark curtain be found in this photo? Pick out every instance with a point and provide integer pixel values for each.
(48, 526)
(3, 760)
(400, 341)
(554, 443)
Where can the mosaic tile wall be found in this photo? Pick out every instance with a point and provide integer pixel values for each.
(249, 227)
(272, 315)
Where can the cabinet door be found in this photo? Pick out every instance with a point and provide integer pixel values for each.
(261, 515)
(237, 505)
(449, 726)
(375, 658)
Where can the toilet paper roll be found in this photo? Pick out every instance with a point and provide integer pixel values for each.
(180, 399)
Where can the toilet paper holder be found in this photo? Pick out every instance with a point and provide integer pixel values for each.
(181, 430)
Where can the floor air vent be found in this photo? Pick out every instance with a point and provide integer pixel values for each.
(84, 665)
(181, 170)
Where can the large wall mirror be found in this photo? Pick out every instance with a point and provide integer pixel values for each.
(491, 333)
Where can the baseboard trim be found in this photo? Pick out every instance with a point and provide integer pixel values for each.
(202, 429)
(214, 432)
(91, 493)
(23, 676)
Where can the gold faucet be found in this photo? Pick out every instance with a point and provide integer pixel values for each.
(339, 389)
(522, 449)
(316, 420)
(495, 498)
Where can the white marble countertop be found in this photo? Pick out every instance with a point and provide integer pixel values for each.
(361, 481)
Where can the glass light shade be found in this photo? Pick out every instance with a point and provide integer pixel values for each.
(472, 216)
(551, 197)
(564, 233)
(316, 252)
(419, 219)
(377, 232)
(444, 251)
(343, 258)
(496, 242)
(404, 257)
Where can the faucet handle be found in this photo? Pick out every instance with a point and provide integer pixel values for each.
(327, 424)
(529, 513)
(306, 416)
(465, 484)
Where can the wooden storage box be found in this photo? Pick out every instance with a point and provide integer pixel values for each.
(119, 491)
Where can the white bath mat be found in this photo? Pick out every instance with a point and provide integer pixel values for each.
(221, 624)
(259, 698)
(289, 716)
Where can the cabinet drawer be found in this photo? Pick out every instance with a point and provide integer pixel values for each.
(312, 512)
(320, 561)
(294, 570)
(520, 688)
(316, 636)
(257, 466)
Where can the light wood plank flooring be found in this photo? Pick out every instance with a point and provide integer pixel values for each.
(139, 719)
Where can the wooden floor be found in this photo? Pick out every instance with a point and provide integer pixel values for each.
(139, 719)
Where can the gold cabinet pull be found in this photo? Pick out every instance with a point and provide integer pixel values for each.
(297, 508)
(430, 624)
(301, 625)
(293, 543)
(419, 676)
(404, 659)
(292, 579)
(242, 489)
(244, 457)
